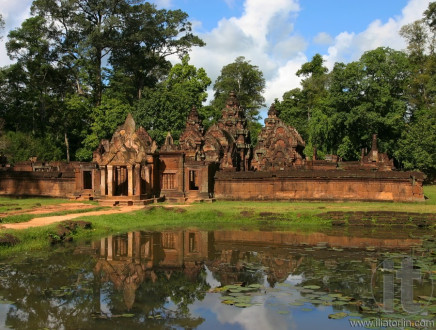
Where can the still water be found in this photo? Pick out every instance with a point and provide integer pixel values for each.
(224, 279)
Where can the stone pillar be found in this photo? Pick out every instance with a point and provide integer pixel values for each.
(130, 244)
(109, 248)
(102, 247)
(147, 179)
(129, 181)
(138, 180)
(138, 247)
(103, 180)
(110, 180)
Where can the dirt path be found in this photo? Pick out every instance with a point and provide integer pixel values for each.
(50, 208)
(43, 221)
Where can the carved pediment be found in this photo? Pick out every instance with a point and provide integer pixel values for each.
(127, 146)
(279, 146)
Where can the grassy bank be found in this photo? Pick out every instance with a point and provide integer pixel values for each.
(222, 214)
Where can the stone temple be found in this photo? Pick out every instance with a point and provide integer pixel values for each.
(219, 163)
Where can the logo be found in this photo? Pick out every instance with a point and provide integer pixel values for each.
(402, 282)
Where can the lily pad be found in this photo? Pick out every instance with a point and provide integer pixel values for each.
(312, 287)
(338, 316)
(243, 305)
(228, 302)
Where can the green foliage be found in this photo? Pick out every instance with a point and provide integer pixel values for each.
(148, 37)
(18, 146)
(105, 119)
(166, 107)
(417, 147)
(338, 112)
(61, 83)
(247, 81)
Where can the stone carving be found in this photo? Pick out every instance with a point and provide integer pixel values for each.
(127, 146)
(192, 140)
(228, 141)
(374, 157)
(279, 146)
(169, 144)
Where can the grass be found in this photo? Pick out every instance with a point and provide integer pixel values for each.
(257, 215)
(15, 218)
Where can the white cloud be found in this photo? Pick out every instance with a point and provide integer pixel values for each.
(249, 36)
(323, 38)
(290, 47)
(284, 79)
(349, 46)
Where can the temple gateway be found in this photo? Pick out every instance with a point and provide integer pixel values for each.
(219, 163)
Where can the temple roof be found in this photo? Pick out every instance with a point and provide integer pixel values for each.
(127, 146)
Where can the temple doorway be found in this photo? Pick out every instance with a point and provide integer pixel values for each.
(120, 181)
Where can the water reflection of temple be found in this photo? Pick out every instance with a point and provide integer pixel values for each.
(130, 259)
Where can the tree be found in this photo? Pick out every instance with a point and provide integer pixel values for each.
(247, 81)
(314, 82)
(166, 107)
(292, 111)
(41, 84)
(104, 121)
(417, 146)
(132, 35)
(305, 109)
(148, 37)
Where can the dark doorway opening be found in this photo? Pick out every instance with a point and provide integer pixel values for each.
(120, 181)
(193, 180)
(87, 179)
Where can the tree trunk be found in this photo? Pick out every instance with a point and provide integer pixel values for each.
(67, 144)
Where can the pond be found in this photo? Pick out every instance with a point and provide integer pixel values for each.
(224, 279)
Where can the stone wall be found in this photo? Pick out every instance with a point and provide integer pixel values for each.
(50, 184)
(320, 185)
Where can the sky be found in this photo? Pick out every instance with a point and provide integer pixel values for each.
(278, 36)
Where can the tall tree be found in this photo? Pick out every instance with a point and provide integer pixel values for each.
(166, 107)
(148, 37)
(125, 33)
(247, 81)
(41, 83)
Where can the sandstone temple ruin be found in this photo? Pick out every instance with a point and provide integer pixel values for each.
(219, 163)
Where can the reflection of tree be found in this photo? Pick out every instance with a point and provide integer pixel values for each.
(60, 291)
(44, 293)
(232, 266)
(153, 297)
(350, 274)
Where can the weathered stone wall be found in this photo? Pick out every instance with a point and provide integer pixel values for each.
(24, 183)
(320, 185)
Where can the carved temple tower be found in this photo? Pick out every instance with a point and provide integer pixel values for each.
(228, 142)
(127, 163)
(279, 146)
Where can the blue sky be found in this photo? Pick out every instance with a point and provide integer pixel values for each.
(277, 35)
